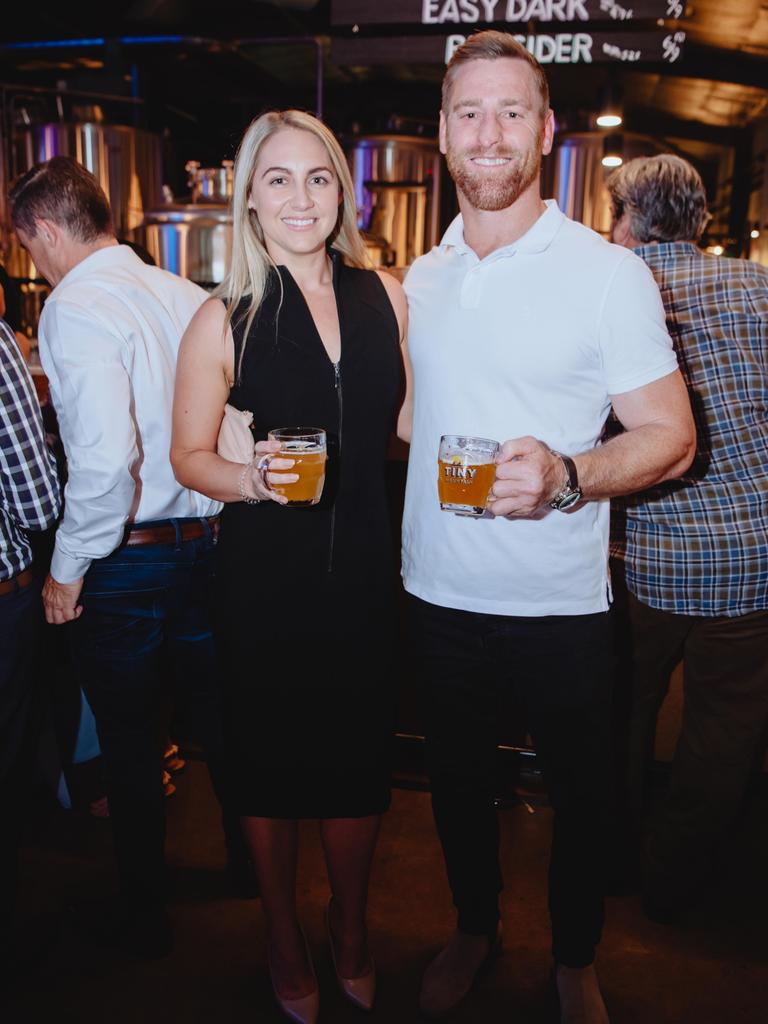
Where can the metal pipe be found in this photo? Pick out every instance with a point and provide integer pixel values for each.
(525, 751)
(11, 87)
(315, 41)
(192, 40)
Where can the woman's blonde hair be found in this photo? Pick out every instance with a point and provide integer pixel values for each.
(251, 263)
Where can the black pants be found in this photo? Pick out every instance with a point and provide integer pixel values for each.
(146, 627)
(725, 711)
(20, 618)
(560, 667)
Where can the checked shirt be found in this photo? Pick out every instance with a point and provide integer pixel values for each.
(29, 489)
(699, 545)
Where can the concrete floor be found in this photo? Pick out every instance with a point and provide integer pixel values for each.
(712, 970)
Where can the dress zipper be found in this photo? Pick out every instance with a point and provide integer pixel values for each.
(339, 398)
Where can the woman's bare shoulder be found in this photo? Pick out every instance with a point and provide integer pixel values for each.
(211, 313)
(396, 296)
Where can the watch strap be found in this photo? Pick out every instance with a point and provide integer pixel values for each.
(570, 492)
(570, 469)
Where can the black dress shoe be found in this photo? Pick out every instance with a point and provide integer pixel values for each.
(450, 977)
(142, 930)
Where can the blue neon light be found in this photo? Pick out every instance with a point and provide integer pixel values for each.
(128, 40)
(52, 44)
(60, 44)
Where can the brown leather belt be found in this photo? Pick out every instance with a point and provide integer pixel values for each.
(16, 583)
(166, 533)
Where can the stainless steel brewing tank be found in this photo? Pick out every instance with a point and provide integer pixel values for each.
(193, 240)
(210, 184)
(574, 174)
(126, 162)
(397, 190)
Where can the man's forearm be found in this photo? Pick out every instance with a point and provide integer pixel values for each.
(634, 461)
(66, 568)
(659, 444)
(92, 527)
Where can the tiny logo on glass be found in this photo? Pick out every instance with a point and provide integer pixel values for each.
(460, 472)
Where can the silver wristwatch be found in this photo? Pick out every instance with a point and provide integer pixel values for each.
(571, 492)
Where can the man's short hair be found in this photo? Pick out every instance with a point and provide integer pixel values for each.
(63, 191)
(493, 45)
(664, 196)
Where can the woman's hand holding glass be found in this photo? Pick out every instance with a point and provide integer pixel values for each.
(277, 474)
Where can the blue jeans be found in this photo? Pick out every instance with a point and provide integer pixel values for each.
(145, 631)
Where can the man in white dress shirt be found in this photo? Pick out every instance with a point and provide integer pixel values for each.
(525, 326)
(132, 563)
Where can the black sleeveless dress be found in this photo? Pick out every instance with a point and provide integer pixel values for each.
(306, 596)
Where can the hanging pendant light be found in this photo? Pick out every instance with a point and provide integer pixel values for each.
(613, 150)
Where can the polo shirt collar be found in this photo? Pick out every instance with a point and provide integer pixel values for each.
(109, 256)
(537, 238)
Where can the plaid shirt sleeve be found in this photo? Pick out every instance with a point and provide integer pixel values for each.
(29, 490)
(698, 545)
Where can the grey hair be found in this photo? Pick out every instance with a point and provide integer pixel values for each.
(664, 197)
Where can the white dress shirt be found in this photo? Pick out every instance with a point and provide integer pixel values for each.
(109, 336)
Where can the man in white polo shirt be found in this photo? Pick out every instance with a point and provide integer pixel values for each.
(525, 325)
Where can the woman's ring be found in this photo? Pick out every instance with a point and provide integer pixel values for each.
(262, 468)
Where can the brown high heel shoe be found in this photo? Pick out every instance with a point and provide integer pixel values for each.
(360, 991)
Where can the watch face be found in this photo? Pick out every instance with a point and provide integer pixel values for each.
(567, 501)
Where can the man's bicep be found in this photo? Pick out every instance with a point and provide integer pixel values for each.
(635, 346)
(662, 401)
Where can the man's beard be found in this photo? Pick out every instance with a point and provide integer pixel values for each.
(499, 190)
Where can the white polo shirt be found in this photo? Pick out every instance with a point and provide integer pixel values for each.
(533, 339)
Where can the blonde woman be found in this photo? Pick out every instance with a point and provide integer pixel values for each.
(301, 334)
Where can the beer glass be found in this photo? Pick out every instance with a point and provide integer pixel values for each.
(307, 447)
(466, 469)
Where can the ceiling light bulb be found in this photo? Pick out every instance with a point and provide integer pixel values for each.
(612, 161)
(609, 120)
(754, 233)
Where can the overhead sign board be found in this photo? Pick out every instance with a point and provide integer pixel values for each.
(490, 12)
(548, 48)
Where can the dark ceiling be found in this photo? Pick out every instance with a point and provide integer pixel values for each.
(202, 89)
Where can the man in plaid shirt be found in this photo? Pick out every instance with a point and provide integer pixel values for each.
(696, 549)
(29, 500)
